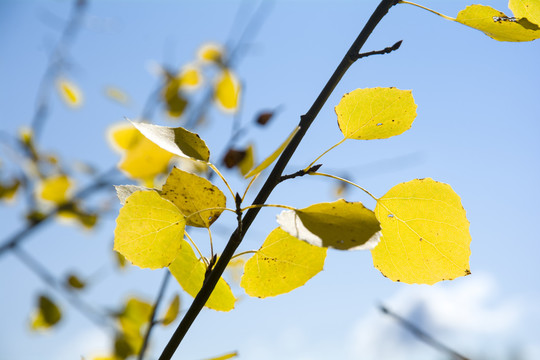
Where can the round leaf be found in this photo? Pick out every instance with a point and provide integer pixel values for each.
(340, 224)
(425, 233)
(189, 271)
(193, 194)
(283, 263)
(375, 113)
(529, 9)
(497, 25)
(149, 230)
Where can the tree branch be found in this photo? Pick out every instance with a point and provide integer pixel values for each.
(273, 179)
(422, 335)
(386, 50)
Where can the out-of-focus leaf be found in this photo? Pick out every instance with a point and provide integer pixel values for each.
(55, 189)
(264, 117)
(225, 356)
(74, 282)
(190, 77)
(48, 314)
(172, 311)
(210, 53)
(233, 157)
(9, 189)
(69, 92)
(117, 95)
(227, 91)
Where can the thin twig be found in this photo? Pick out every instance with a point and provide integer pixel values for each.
(273, 180)
(299, 173)
(41, 271)
(152, 320)
(386, 50)
(99, 183)
(422, 335)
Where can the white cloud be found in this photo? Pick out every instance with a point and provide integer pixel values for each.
(461, 314)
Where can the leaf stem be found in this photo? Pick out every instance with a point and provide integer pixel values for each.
(249, 185)
(273, 180)
(346, 181)
(209, 209)
(244, 253)
(324, 153)
(428, 9)
(213, 167)
(196, 248)
(258, 206)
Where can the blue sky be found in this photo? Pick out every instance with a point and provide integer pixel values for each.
(477, 128)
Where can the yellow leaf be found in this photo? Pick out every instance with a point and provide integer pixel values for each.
(55, 189)
(340, 225)
(8, 190)
(173, 98)
(189, 272)
(48, 314)
(227, 91)
(69, 92)
(134, 316)
(270, 159)
(375, 113)
(190, 77)
(210, 52)
(172, 311)
(497, 25)
(283, 263)
(529, 9)
(225, 357)
(178, 141)
(142, 159)
(193, 194)
(425, 233)
(149, 230)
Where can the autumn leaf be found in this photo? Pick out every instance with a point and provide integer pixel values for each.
(283, 263)
(48, 314)
(340, 225)
(149, 230)
(375, 113)
(425, 233)
(172, 311)
(227, 91)
(189, 271)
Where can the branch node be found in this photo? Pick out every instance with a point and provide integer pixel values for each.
(300, 173)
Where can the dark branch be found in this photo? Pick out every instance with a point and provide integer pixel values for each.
(386, 50)
(422, 335)
(273, 179)
(299, 173)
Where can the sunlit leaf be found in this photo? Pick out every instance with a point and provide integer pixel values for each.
(193, 194)
(178, 141)
(283, 263)
(189, 271)
(529, 9)
(225, 357)
(55, 189)
(149, 230)
(210, 52)
(70, 93)
(270, 159)
(142, 159)
(340, 225)
(497, 25)
(425, 233)
(375, 113)
(227, 91)
(172, 311)
(48, 314)
(135, 314)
